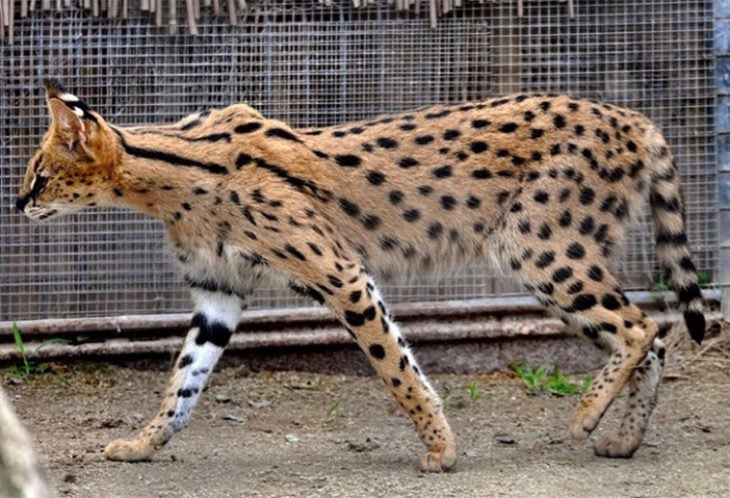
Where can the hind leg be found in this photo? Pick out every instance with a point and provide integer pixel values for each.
(572, 279)
(643, 391)
(334, 276)
(628, 342)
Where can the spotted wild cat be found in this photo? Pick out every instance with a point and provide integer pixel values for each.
(546, 184)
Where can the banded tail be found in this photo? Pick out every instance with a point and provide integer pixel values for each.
(672, 247)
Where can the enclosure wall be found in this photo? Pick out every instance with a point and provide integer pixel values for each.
(313, 65)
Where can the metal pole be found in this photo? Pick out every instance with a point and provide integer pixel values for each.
(722, 127)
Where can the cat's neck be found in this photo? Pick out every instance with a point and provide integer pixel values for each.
(161, 175)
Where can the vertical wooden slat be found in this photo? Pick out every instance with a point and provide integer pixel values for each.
(192, 25)
(172, 22)
(232, 14)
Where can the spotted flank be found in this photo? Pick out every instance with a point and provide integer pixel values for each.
(544, 184)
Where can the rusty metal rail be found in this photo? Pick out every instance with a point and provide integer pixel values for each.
(500, 319)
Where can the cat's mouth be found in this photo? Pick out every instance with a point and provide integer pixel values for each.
(45, 213)
(37, 213)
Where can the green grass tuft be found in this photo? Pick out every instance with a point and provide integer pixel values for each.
(29, 367)
(556, 383)
(329, 416)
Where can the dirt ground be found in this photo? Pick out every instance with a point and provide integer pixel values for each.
(297, 434)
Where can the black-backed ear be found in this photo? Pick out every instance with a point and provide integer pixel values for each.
(71, 118)
(68, 127)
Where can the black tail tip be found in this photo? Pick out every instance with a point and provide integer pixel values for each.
(695, 321)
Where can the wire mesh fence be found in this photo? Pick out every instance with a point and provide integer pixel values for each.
(313, 65)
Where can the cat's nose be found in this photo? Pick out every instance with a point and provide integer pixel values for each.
(21, 202)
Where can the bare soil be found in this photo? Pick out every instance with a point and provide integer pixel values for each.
(300, 434)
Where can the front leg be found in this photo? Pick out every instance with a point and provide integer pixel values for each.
(343, 285)
(365, 315)
(215, 318)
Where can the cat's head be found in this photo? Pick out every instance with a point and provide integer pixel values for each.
(73, 167)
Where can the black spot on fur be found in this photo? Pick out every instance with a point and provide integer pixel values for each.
(565, 219)
(411, 215)
(508, 127)
(282, 133)
(295, 252)
(442, 171)
(481, 174)
(243, 160)
(435, 230)
(451, 134)
(248, 127)
(349, 207)
(216, 333)
(541, 197)
(545, 259)
(335, 281)
(375, 177)
(396, 197)
(587, 195)
(371, 221)
(387, 143)
(595, 273)
(354, 319)
(407, 162)
(388, 243)
(562, 274)
(478, 147)
(448, 202)
(575, 287)
(575, 251)
(377, 351)
(587, 225)
(348, 160)
(583, 302)
(610, 302)
(545, 232)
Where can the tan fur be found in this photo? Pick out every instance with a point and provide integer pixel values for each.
(545, 184)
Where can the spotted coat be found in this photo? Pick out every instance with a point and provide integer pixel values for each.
(544, 184)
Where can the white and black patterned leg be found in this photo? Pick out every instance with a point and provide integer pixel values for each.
(215, 319)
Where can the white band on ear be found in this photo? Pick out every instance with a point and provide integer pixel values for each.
(68, 97)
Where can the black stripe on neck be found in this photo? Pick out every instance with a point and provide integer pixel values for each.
(170, 158)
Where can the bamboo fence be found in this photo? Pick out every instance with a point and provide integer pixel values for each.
(166, 11)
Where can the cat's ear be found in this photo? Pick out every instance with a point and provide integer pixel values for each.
(66, 125)
(72, 121)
